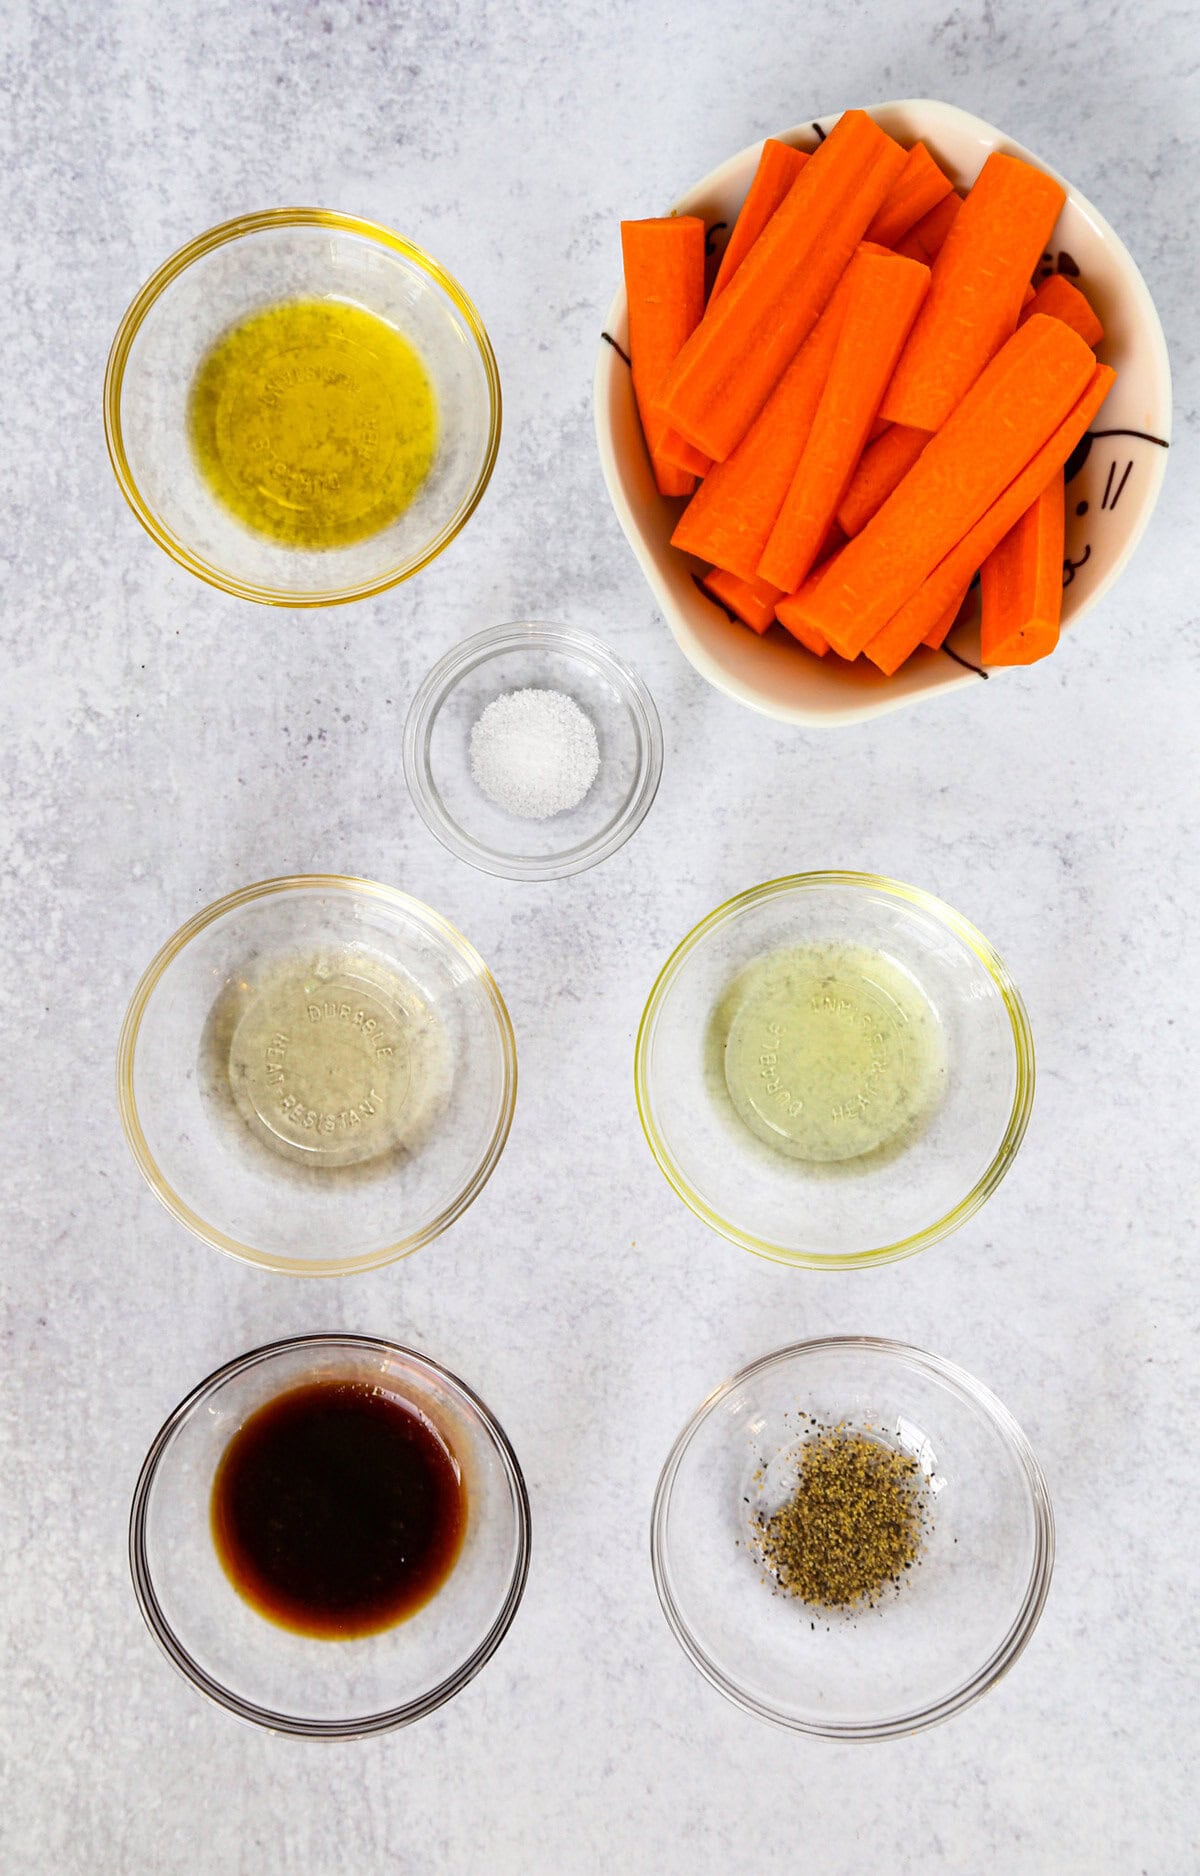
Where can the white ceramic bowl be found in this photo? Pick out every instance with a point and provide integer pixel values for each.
(1113, 478)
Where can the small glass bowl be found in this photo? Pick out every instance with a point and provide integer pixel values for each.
(437, 750)
(291, 1683)
(886, 1204)
(290, 1187)
(218, 280)
(958, 1621)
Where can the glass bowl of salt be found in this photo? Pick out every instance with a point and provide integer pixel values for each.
(532, 751)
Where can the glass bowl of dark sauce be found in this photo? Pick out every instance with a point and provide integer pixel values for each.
(330, 1536)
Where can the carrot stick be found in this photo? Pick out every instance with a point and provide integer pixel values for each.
(778, 167)
(924, 242)
(919, 187)
(752, 600)
(730, 517)
(882, 466)
(884, 295)
(664, 285)
(974, 297)
(673, 449)
(1060, 300)
(741, 348)
(910, 624)
(949, 619)
(1018, 402)
(800, 630)
(1022, 584)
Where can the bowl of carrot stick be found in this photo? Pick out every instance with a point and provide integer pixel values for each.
(883, 405)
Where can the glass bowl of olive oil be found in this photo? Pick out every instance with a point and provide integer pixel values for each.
(330, 1536)
(302, 408)
(775, 1526)
(834, 1070)
(317, 1074)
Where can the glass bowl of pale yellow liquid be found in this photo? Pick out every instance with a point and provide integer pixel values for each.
(317, 1074)
(302, 408)
(834, 1070)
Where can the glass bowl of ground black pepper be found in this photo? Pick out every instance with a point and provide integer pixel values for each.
(532, 751)
(853, 1538)
(330, 1536)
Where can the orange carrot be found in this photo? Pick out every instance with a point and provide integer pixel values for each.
(910, 624)
(730, 517)
(1060, 300)
(800, 629)
(673, 449)
(919, 187)
(1017, 403)
(974, 297)
(949, 619)
(727, 369)
(924, 242)
(1022, 584)
(884, 295)
(752, 600)
(664, 285)
(778, 167)
(883, 464)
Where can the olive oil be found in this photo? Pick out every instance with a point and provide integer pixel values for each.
(313, 422)
(831, 1052)
(335, 1061)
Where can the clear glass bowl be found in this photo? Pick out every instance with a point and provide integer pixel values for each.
(886, 1204)
(958, 1622)
(215, 282)
(437, 752)
(211, 1063)
(293, 1683)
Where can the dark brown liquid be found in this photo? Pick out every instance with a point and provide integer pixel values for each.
(337, 1510)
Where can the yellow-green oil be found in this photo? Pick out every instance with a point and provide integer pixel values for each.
(831, 1052)
(314, 422)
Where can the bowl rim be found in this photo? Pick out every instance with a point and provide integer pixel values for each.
(436, 687)
(151, 291)
(1023, 1053)
(1024, 1621)
(148, 982)
(886, 699)
(296, 1725)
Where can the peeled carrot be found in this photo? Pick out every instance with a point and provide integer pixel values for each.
(1022, 584)
(664, 285)
(919, 187)
(884, 294)
(801, 631)
(911, 623)
(1017, 403)
(730, 517)
(752, 600)
(727, 369)
(673, 449)
(881, 467)
(949, 619)
(924, 241)
(1060, 300)
(974, 297)
(778, 167)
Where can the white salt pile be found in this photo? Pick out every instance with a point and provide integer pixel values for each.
(534, 753)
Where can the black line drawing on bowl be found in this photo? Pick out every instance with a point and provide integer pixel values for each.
(1071, 567)
(618, 349)
(1116, 493)
(712, 229)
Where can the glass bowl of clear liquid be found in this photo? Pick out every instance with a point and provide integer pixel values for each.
(317, 1074)
(834, 1070)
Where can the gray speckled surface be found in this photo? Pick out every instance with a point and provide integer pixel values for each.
(163, 743)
